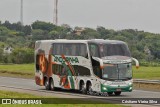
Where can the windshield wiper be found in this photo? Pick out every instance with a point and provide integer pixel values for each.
(110, 78)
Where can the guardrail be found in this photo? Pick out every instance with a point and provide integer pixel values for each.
(146, 81)
(152, 85)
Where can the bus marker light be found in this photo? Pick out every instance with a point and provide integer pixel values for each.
(101, 67)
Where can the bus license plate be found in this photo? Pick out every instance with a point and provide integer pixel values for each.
(118, 89)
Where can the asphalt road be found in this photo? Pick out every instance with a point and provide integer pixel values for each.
(29, 86)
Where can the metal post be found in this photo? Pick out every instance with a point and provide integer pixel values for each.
(55, 20)
(21, 12)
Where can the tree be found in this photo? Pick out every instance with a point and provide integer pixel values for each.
(89, 33)
(27, 30)
(138, 55)
(103, 32)
(1, 54)
(4, 31)
(7, 24)
(54, 34)
(38, 34)
(23, 55)
(43, 26)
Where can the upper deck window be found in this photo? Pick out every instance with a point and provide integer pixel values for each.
(115, 49)
(70, 49)
(94, 50)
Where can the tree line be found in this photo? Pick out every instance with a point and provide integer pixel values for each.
(144, 46)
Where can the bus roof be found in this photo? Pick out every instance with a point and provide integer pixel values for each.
(97, 41)
(63, 41)
(102, 41)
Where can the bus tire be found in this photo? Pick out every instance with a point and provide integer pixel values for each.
(110, 93)
(82, 88)
(46, 83)
(51, 85)
(89, 87)
(117, 93)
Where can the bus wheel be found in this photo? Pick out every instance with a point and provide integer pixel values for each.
(82, 88)
(89, 88)
(46, 83)
(117, 93)
(51, 85)
(110, 93)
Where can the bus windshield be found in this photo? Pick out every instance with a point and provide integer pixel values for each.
(114, 50)
(117, 72)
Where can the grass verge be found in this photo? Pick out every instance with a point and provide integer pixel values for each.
(17, 70)
(9, 94)
(146, 73)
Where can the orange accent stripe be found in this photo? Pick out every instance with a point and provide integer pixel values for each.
(63, 56)
(68, 64)
(54, 63)
(101, 67)
(41, 82)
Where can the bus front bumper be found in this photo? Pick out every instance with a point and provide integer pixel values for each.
(108, 88)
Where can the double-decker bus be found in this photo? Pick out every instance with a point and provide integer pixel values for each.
(86, 65)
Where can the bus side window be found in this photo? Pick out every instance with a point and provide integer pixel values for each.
(70, 49)
(53, 49)
(82, 50)
(93, 48)
(57, 49)
(66, 49)
(73, 51)
(56, 69)
(97, 71)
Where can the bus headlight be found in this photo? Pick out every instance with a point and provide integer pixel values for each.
(130, 83)
(104, 88)
(130, 88)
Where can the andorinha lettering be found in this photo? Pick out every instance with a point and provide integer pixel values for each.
(69, 59)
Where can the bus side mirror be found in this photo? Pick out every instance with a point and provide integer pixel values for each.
(137, 62)
(101, 67)
(100, 62)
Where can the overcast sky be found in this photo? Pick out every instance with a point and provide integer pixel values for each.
(112, 14)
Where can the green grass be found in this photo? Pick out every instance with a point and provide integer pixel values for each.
(9, 94)
(18, 70)
(146, 73)
(23, 68)
(27, 71)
